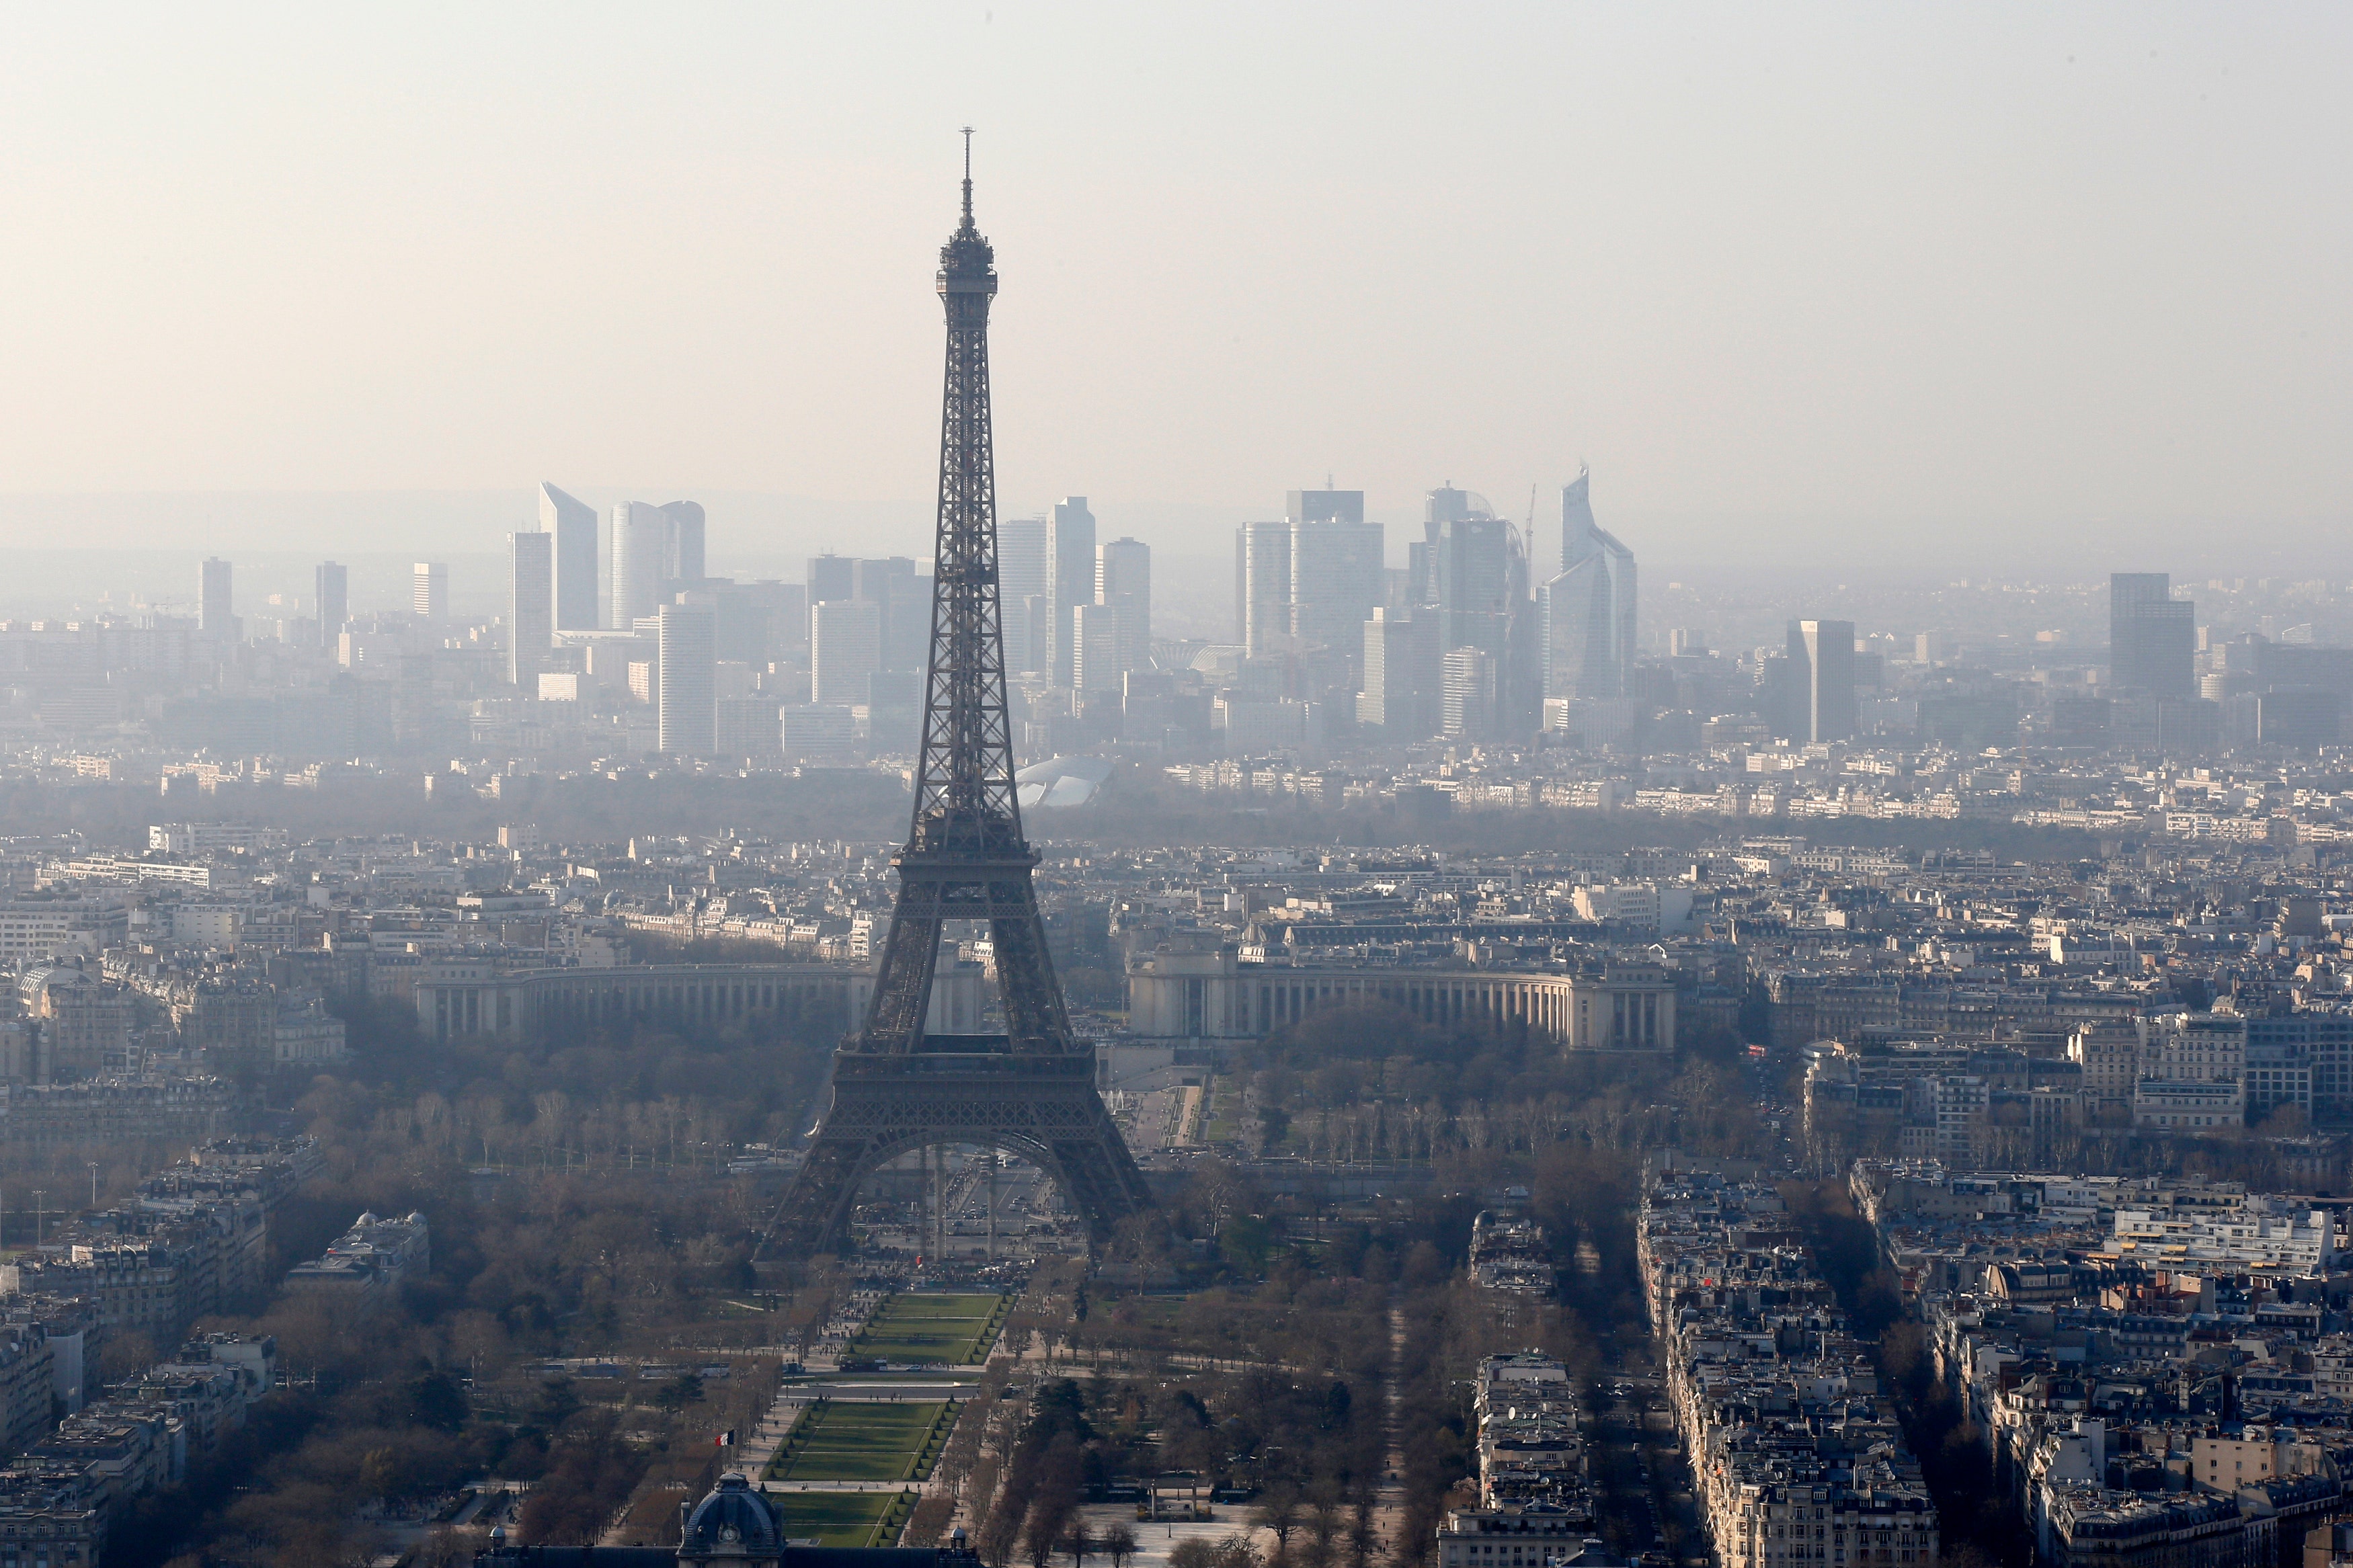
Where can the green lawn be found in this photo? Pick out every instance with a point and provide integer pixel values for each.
(841, 1518)
(953, 1330)
(839, 1440)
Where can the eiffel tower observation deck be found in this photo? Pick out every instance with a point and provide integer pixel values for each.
(1030, 1092)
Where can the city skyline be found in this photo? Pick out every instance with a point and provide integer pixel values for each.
(2004, 351)
(1350, 1013)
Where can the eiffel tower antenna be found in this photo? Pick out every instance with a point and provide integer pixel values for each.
(896, 1086)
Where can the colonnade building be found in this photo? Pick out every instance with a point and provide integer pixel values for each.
(475, 997)
(1217, 996)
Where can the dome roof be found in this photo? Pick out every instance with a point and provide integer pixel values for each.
(733, 1519)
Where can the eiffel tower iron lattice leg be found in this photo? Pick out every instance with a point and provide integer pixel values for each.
(1029, 1092)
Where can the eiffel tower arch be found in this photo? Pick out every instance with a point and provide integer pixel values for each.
(1029, 1092)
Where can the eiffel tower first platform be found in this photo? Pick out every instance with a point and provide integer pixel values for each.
(1029, 1092)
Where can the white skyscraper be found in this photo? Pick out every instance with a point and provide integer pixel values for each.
(531, 607)
(573, 525)
(429, 590)
(686, 702)
(641, 561)
(1024, 573)
(1071, 557)
(1123, 580)
(845, 648)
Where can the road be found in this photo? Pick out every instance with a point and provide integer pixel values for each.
(1645, 1500)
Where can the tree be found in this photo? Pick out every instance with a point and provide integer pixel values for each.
(1079, 1541)
(1277, 1514)
(1235, 1551)
(679, 1392)
(1193, 1552)
(999, 1537)
(1118, 1544)
(1041, 1536)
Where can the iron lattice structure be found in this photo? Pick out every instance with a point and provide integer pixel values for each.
(1032, 1091)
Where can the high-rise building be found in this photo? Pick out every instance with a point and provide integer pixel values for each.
(2152, 636)
(1337, 574)
(1266, 588)
(1585, 629)
(683, 542)
(531, 607)
(1821, 681)
(1468, 711)
(215, 617)
(640, 548)
(1024, 575)
(1123, 580)
(1324, 506)
(331, 585)
(1102, 643)
(1399, 698)
(1472, 572)
(832, 576)
(1071, 557)
(844, 647)
(1439, 506)
(572, 523)
(429, 590)
(686, 706)
(904, 602)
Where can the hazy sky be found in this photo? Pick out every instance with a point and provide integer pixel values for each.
(1765, 266)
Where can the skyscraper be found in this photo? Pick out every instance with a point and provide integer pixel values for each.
(1821, 681)
(1071, 554)
(214, 617)
(331, 586)
(1023, 575)
(1399, 697)
(1337, 573)
(573, 525)
(531, 607)
(1124, 581)
(1473, 568)
(1266, 588)
(1102, 637)
(904, 602)
(429, 590)
(832, 576)
(1585, 615)
(844, 647)
(641, 561)
(1439, 506)
(1324, 506)
(2152, 636)
(686, 707)
(683, 542)
(1469, 701)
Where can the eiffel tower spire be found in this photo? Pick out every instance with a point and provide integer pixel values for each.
(1031, 1090)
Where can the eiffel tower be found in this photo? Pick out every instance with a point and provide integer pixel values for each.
(1029, 1092)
